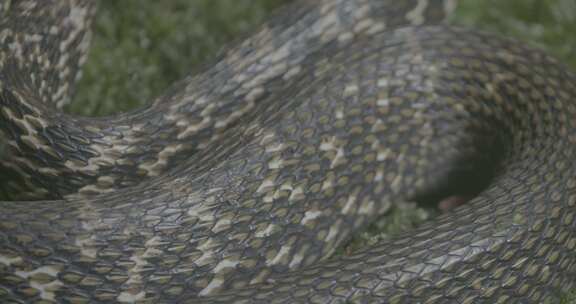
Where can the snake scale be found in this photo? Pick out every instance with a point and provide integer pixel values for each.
(240, 181)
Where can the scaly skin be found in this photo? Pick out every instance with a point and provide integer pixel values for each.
(369, 121)
(54, 155)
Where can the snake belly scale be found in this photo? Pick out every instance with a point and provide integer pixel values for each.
(239, 183)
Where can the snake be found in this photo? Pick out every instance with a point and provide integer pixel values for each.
(239, 183)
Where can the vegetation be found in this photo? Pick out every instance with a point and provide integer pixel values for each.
(139, 50)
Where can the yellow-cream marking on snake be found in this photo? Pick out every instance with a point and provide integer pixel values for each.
(6, 260)
(265, 55)
(44, 279)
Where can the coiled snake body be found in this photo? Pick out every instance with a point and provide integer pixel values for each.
(240, 181)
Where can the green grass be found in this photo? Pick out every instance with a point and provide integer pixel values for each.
(139, 50)
(548, 24)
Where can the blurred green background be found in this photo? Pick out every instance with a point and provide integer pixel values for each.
(141, 47)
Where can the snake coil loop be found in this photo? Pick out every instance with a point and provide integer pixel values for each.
(239, 182)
